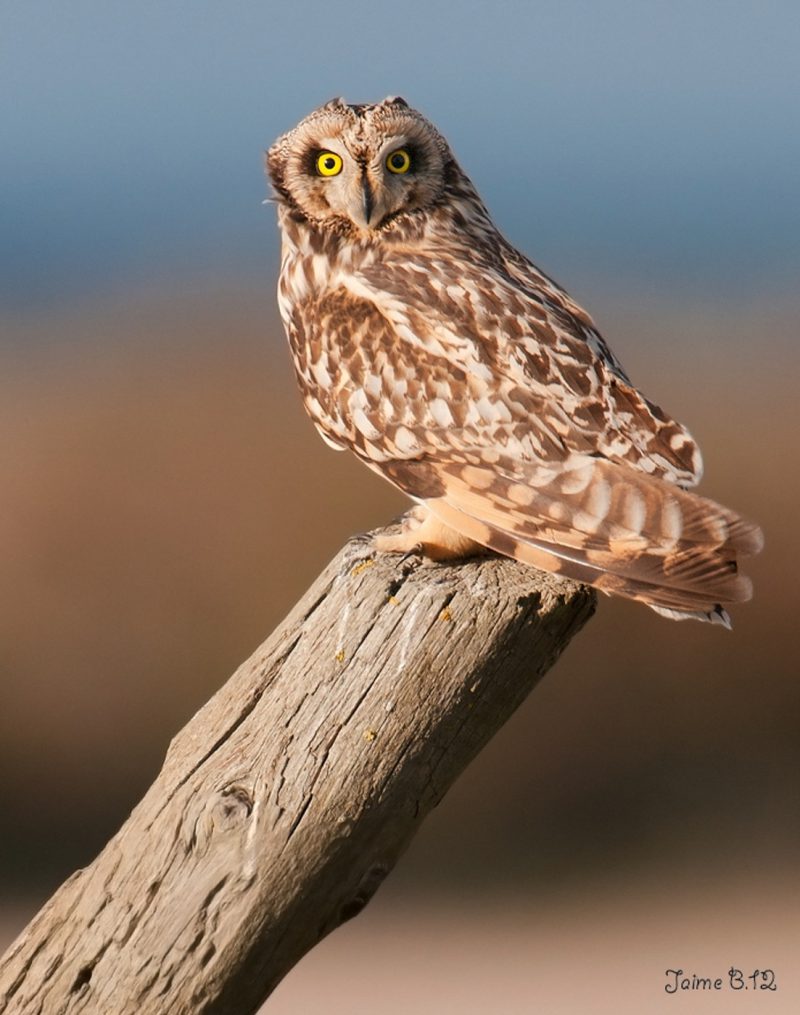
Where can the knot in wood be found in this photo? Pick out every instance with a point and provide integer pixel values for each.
(233, 807)
(225, 812)
(367, 886)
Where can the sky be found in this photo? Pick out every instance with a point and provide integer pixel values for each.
(652, 142)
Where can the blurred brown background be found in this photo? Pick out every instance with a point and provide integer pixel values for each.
(163, 499)
(165, 502)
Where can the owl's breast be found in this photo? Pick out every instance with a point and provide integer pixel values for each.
(306, 279)
(303, 277)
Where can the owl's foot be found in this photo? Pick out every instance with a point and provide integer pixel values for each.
(422, 532)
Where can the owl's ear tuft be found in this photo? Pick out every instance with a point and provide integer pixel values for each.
(395, 100)
(337, 102)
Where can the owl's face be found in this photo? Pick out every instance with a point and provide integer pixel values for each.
(356, 169)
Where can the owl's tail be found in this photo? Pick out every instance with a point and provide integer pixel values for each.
(621, 530)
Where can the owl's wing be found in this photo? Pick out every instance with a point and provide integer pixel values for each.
(530, 338)
(444, 410)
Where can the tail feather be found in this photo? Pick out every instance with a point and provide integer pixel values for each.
(618, 529)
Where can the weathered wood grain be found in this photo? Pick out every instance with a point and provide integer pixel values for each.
(287, 799)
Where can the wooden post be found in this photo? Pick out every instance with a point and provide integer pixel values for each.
(287, 799)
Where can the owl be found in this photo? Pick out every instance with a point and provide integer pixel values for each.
(426, 344)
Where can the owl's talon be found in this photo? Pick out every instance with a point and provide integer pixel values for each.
(417, 550)
(398, 543)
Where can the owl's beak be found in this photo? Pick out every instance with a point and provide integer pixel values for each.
(368, 200)
(364, 206)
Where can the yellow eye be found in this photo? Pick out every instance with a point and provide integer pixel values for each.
(399, 161)
(329, 164)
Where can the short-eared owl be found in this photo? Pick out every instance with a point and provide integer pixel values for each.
(448, 363)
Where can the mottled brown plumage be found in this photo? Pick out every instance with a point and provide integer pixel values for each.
(440, 355)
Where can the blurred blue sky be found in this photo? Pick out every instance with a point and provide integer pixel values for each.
(650, 141)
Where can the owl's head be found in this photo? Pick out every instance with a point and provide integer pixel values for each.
(355, 169)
